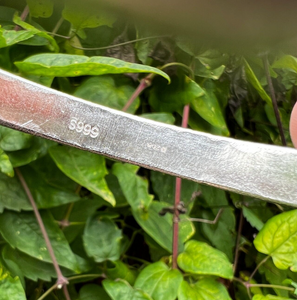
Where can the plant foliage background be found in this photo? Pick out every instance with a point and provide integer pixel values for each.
(102, 216)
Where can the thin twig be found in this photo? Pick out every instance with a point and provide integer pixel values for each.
(48, 291)
(238, 242)
(137, 259)
(23, 17)
(144, 83)
(274, 102)
(122, 44)
(258, 266)
(58, 25)
(61, 280)
(186, 113)
(272, 286)
(212, 222)
(177, 64)
(86, 276)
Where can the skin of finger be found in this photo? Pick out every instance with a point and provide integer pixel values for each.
(293, 126)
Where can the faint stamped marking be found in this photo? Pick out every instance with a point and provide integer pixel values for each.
(156, 147)
(84, 128)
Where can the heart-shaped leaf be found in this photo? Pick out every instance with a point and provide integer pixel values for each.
(102, 239)
(207, 289)
(40, 8)
(93, 292)
(134, 187)
(87, 169)
(117, 269)
(108, 90)
(159, 281)
(82, 16)
(121, 289)
(160, 227)
(200, 258)
(278, 238)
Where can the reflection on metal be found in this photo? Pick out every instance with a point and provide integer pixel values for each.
(264, 171)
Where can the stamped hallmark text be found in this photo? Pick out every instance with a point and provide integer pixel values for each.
(81, 127)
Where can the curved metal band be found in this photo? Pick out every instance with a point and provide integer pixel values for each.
(264, 171)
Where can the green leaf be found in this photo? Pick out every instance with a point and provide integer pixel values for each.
(160, 227)
(21, 231)
(286, 62)
(63, 65)
(52, 45)
(85, 168)
(164, 187)
(48, 185)
(253, 80)
(93, 292)
(160, 117)
(214, 74)
(12, 195)
(221, 235)
(10, 288)
(145, 47)
(117, 269)
(28, 266)
(114, 186)
(134, 187)
(252, 218)
(278, 238)
(5, 164)
(45, 195)
(102, 239)
(173, 97)
(38, 148)
(160, 282)
(212, 58)
(81, 16)
(274, 276)
(156, 251)
(269, 297)
(13, 140)
(200, 258)
(11, 37)
(205, 289)
(208, 107)
(40, 8)
(112, 91)
(121, 289)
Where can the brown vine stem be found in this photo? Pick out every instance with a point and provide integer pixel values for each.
(123, 44)
(274, 102)
(263, 261)
(144, 83)
(61, 280)
(238, 242)
(23, 17)
(271, 286)
(177, 200)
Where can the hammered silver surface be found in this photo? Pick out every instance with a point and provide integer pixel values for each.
(264, 171)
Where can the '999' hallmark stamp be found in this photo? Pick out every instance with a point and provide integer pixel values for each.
(84, 128)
